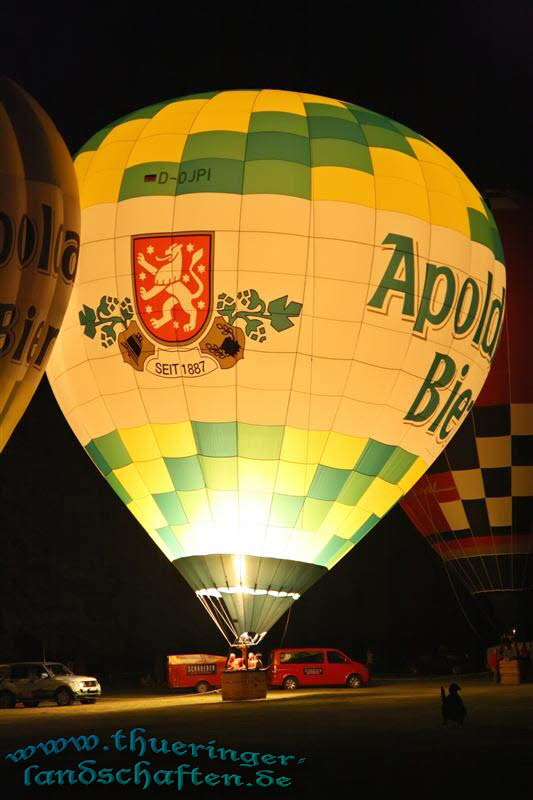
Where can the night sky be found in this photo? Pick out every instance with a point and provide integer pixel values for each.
(77, 573)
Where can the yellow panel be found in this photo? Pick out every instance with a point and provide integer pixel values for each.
(429, 152)
(522, 482)
(175, 118)
(440, 179)
(379, 497)
(256, 476)
(276, 100)
(494, 451)
(425, 151)
(455, 515)
(342, 451)
(228, 111)
(336, 518)
(303, 447)
(82, 163)
(294, 479)
(131, 481)
(471, 196)
(522, 419)
(500, 511)
(196, 505)
(343, 184)
(357, 517)
(396, 165)
(164, 147)
(155, 476)
(113, 156)
(469, 483)
(448, 212)
(175, 440)
(415, 471)
(140, 443)
(150, 512)
(395, 194)
(125, 132)
(101, 187)
(316, 98)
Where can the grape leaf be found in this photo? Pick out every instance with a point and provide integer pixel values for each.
(281, 310)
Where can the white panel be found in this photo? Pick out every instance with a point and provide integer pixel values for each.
(127, 409)
(342, 260)
(261, 408)
(382, 347)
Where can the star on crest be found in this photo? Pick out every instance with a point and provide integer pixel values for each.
(186, 278)
(190, 247)
(149, 309)
(142, 276)
(201, 268)
(149, 249)
(201, 304)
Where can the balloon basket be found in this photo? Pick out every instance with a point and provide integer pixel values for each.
(243, 684)
(510, 672)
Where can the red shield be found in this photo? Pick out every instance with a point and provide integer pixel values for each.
(172, 278)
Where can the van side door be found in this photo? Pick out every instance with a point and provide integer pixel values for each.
(312, 668)
(337, 667)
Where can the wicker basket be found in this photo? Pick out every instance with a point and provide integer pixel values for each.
(243, 684)
(510, 673)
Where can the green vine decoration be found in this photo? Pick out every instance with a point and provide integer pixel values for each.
(278, 312)
(105, 319)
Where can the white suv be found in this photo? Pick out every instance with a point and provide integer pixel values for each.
(30, 682)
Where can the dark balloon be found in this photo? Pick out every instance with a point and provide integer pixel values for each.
(39, 245)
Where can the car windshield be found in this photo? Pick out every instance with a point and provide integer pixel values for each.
(58, 669)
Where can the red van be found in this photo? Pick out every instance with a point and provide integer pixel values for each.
(195, 671)
(292, 667)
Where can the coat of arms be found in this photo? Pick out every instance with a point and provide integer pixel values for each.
(172, 279)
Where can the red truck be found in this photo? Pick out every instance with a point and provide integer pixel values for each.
(195, 671)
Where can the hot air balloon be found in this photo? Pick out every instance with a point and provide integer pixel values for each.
(475, 503)
(39, 244)
(285, 306)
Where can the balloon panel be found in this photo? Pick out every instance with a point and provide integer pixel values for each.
(39, 243)
(279, 296)
(475, 503)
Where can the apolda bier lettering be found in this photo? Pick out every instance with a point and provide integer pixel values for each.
(40, 245)
(432, 298)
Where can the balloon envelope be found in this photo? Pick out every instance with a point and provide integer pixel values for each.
(39, 243)
(285, 305)
(475, 503)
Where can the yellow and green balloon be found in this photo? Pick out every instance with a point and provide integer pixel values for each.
(285, 306)
(39, 244)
